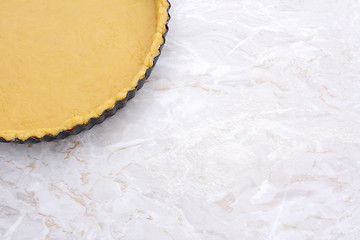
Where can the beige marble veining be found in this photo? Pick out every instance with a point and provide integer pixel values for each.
(249, 128)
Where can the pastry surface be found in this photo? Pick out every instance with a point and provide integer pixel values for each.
(63, 62)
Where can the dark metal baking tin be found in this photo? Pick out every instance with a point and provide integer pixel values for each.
(107, 113)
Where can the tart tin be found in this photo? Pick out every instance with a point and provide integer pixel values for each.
(107, 113)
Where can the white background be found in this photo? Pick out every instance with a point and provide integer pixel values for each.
(249, 128)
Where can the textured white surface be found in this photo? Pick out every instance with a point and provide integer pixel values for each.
(248, 129)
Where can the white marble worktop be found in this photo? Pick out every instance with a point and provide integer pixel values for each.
(249, 129)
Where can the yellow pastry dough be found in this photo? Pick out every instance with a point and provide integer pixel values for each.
(63, 62)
